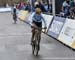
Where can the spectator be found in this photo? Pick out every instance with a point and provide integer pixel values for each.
(72, 9)
(19, 6)
(28, 7)
(72, 4)
(36, 5)
(50, 6)
(65, 7)
(14, 14)
(7, 5)
(23, 7)
(40, 5)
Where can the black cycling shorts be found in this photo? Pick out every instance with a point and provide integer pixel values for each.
(38, 24)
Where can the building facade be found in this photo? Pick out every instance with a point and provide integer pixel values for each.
(10, 2)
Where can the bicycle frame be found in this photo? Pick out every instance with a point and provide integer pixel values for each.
(36, 42)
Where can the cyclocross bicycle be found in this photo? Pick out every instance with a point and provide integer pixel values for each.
(35, 42)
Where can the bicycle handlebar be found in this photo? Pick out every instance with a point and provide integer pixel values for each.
(39, 29)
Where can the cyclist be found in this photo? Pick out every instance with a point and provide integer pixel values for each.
(37, 22)
(14, 14)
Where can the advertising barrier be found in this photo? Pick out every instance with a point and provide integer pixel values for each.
(48, 19)
(56, 26)
(29, 18)
(63, 29)
(67, 34)
(5, 9)
(22, 15)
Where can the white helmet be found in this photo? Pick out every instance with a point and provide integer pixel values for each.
(36, 3)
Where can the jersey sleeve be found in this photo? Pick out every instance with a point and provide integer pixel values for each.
(44, 21)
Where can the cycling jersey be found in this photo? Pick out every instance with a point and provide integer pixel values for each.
(37, 19)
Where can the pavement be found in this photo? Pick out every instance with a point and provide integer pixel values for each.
(15, 43)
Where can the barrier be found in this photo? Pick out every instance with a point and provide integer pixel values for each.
(67, 34)
(48, 19)
(22, 15)
(5, 9)
(63, 29)
(56, 26)
(29, 18)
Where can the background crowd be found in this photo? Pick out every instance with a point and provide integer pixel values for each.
(31, 7)
(68, 9)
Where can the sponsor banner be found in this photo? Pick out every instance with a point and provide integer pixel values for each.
(48, 19)
(67, 34)
(73, 44)
(56, 26)
(22, 15)
(5, 9)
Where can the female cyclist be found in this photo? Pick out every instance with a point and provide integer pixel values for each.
(37, 22)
